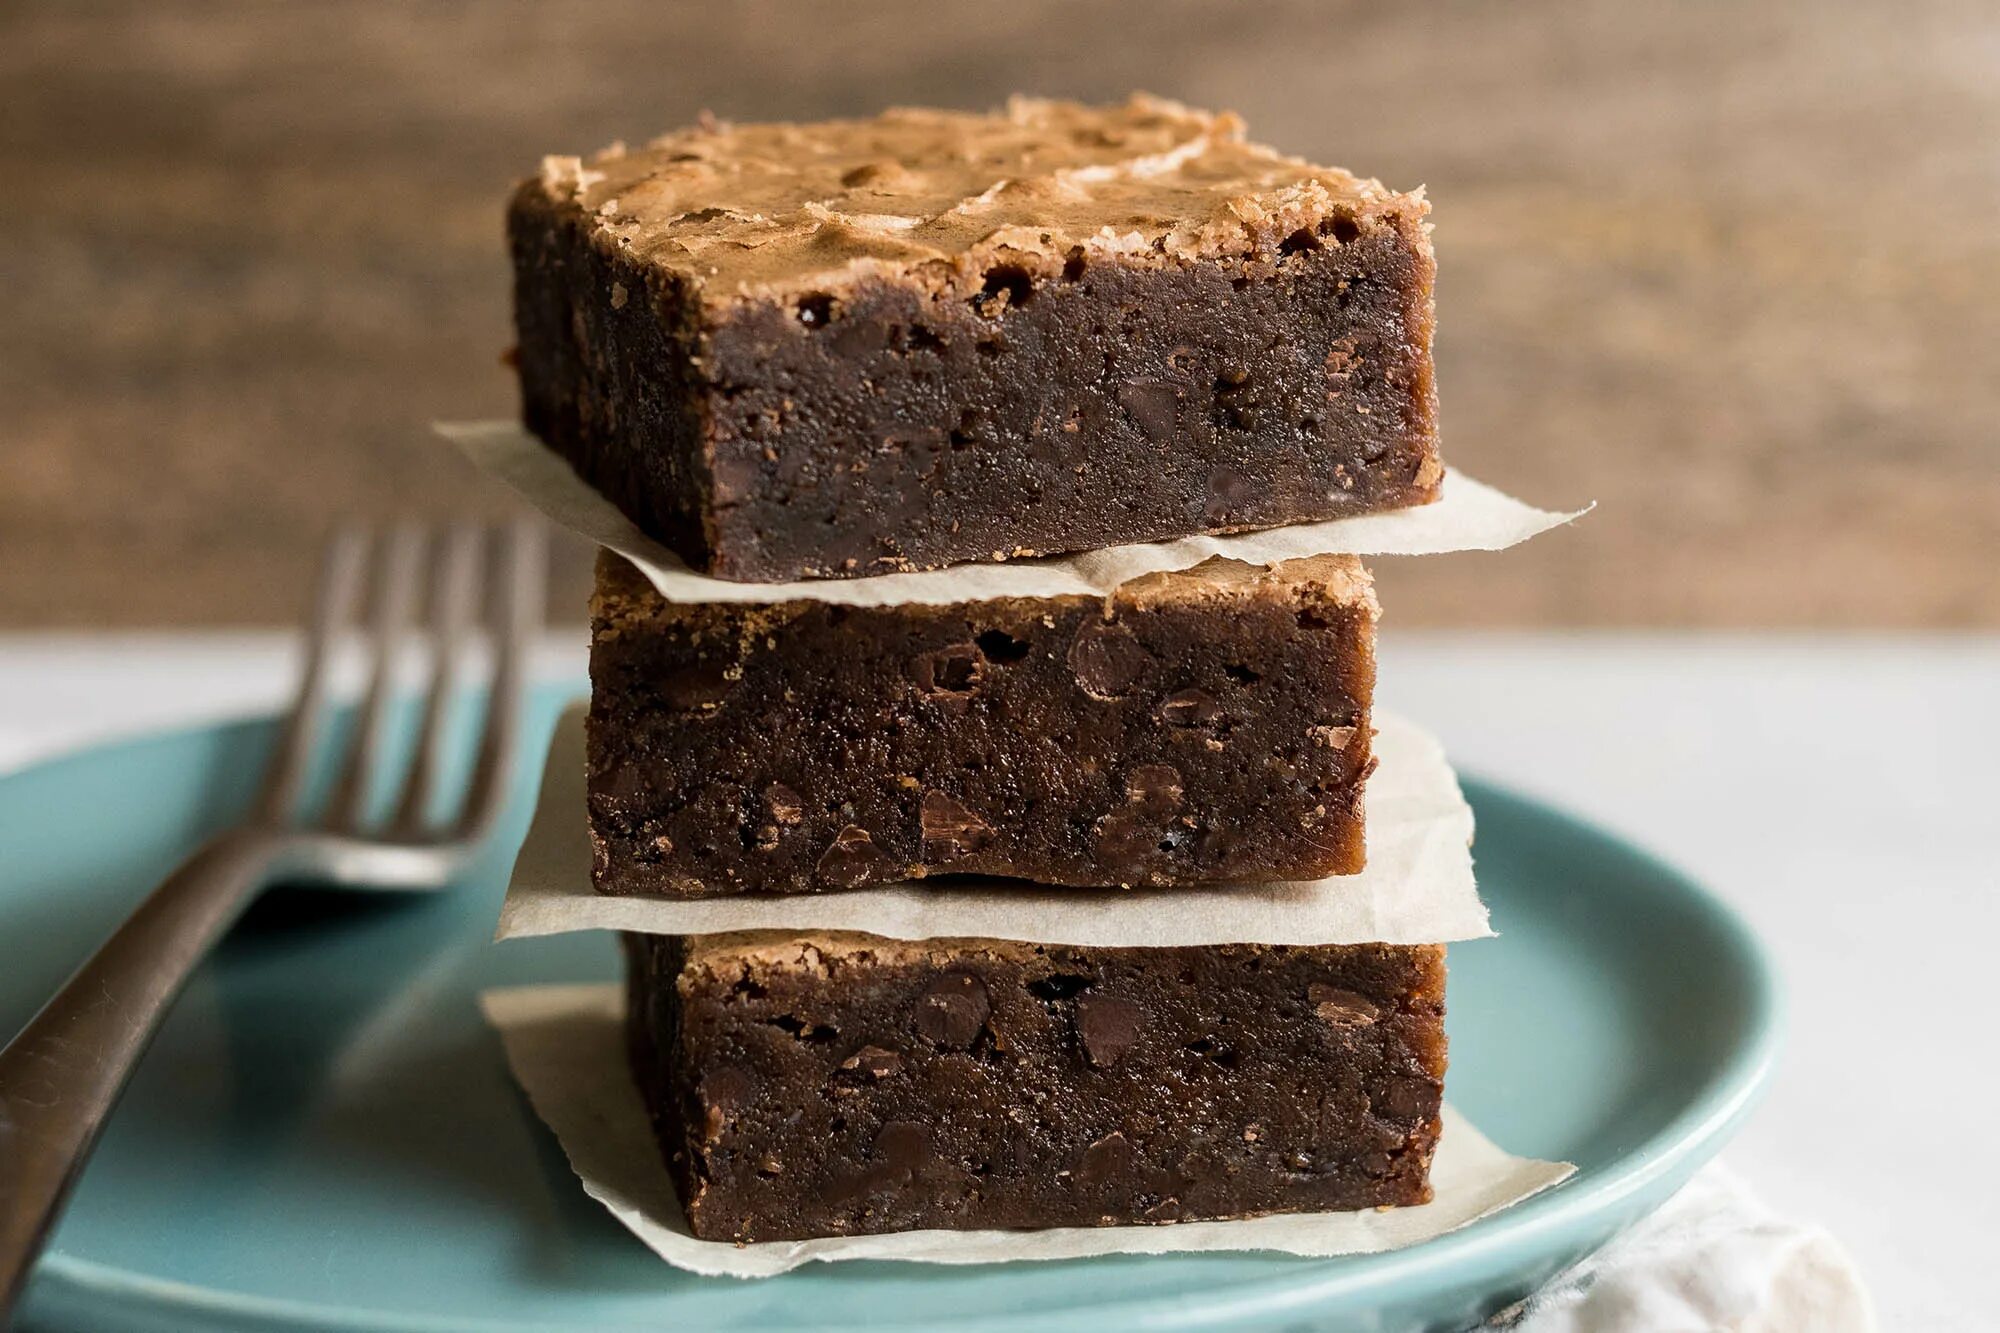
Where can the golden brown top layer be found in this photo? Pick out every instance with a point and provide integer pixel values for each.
(822, 953)
(1335, 578)
(625, 600)
(762, 209)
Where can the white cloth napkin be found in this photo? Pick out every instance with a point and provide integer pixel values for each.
(1714, 1257)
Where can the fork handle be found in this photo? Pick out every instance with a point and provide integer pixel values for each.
(60, 1077)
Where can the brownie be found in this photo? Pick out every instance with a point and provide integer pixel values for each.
(1200, 727)
(830, 1084)
(933, 337)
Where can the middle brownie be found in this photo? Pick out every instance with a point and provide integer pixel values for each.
(1198, 727)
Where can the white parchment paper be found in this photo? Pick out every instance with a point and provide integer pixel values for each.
(1470, 517)
(1417, 888)
(566, 1047)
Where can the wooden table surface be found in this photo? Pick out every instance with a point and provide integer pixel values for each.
(1732, 271)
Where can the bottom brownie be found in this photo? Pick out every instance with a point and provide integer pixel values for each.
(835, 1084)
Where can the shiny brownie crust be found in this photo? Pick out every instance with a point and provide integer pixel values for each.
(1063, 406)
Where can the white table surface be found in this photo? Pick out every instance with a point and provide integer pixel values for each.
(1839, 790)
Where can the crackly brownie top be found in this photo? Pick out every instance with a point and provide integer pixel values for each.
(773, 209)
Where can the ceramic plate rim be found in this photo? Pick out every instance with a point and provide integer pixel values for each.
(1726, 1095)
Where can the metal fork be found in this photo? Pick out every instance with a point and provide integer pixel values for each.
(61, 1076)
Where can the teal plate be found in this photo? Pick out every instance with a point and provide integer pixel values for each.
(325, 1135)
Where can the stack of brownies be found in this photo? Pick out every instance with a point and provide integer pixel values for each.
(797, 352)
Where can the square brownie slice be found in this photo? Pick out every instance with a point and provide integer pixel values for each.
(934, 337)
(1199, 727)
(837, 1084)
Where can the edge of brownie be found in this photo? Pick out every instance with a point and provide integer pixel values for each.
(1130, 739)
(845, 1084)
(640, 360)
(1024, 397)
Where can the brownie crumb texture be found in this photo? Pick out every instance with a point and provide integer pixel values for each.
(1208, 726)
(838, 1084)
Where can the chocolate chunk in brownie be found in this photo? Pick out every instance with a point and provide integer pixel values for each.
(1206, 726)
(935, 337)
(833, 1084)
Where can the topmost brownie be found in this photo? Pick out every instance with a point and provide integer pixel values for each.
(873, 345)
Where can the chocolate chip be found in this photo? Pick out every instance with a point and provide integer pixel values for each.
(1154, 406)
(728, 1086)
(1127, 835)
(1228, 493)
(952, 1011)
(899, 1153)
(621, 782)
(1107, 1027)
(950, 830)
(903, 1143)
(1154, 788)
(1190, 708)
(873, 1061)
(1108, 660)
(1219, 843)
(784, 804)
(1341, 1008)
(723, 1092)
(1405, 1098)
(1377, 1164)
(1382, 1133)
(851, 859)
(734, 476)
(695, 688)
(1108, 1157)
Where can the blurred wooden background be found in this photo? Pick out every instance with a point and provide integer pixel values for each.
(1731, 270)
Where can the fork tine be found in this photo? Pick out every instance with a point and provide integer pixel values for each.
(395, 589)
(521, 575)
(454, 606)
(333, 601)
